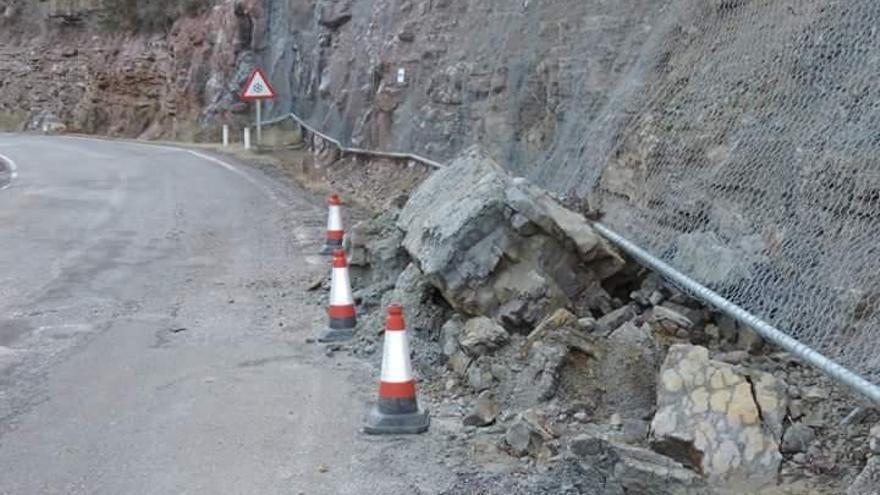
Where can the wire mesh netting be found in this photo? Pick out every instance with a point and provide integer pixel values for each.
(734, 139)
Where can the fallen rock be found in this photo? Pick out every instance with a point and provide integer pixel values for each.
(424, 312)
(868, 482)
(797, 438)
(484, 413)
(528, 434)
(450, 333)
(636, 469)
(462, 228)
(479, 375)
(376, 244)
(559, 319)
(615, 319)
(481, 336)
(669, 321)
(711, 417)
(749, 340)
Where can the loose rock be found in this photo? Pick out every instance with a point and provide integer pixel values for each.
(708, 417)
(484, 413)
(482, 336)
(797, 438)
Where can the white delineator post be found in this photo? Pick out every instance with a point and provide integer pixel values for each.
(225, 136)
(397, 411)
(247, 138)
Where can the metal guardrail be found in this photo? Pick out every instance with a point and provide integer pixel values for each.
(805, 353)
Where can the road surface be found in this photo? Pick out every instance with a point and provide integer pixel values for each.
(152, 334)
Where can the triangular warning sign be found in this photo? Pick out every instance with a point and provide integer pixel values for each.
(257, 87)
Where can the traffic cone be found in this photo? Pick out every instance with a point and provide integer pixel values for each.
(335, 231)
(397, 411)
(342, 312)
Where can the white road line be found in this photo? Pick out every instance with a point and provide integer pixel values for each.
(232, 168)
(13, 169)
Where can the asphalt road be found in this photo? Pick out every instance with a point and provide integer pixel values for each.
(152, 334)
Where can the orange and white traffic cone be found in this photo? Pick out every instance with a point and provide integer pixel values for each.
(343, 319)
(335, 231)
(397, 411)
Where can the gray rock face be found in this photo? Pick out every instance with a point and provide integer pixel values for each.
(868, 482)
(481, 336)
(499, 247)
(797, 438)
(716, 419)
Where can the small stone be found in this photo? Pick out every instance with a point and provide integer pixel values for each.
(670, 321)
(874, 439)
(713, 332)
(310, 340)
(315, 284)
(615, 420)
(728, 327)
(733, 357)
(323, 468)
(615, 319)
(481, 336)
(796, 409)
(581, 417)
(797, 438)
(450, 384)
(587, 324)
(480, 378)
(799, 458)
(749, 340)
(814, 394)
(656, 298)
(484, 413)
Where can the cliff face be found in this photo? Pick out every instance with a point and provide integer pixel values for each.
(59, 63)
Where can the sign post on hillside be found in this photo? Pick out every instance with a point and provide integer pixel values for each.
(257, 88)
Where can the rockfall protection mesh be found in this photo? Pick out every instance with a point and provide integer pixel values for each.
(735, 139)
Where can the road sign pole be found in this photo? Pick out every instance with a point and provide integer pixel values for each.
(259, 122)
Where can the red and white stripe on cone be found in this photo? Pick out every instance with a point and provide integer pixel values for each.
(343, 318)
(335, 230)
(397, 410)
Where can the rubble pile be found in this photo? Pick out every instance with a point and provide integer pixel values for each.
(566, 363)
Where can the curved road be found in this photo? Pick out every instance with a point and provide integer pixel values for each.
(152, 329)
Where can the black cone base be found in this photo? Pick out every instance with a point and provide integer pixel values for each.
(379, 423)
(336, 335)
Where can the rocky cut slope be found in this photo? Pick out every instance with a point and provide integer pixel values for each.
(112, 68)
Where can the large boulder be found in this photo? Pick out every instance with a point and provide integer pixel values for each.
(500, 247)
(717, 419)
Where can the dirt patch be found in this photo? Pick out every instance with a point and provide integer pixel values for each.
(12, 121)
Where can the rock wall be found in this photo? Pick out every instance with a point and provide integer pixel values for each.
(176, 84)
